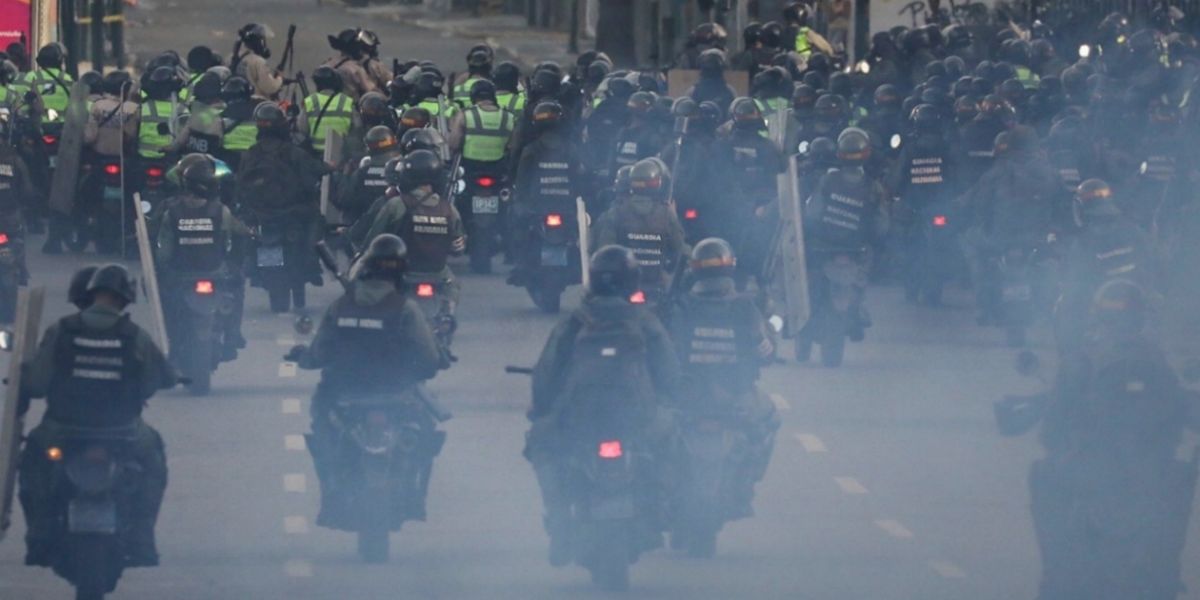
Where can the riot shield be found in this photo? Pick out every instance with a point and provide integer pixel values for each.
(581, 216)
(333, 155)
(149, 274)
(70, 150)
(12, 426)
(789, 247)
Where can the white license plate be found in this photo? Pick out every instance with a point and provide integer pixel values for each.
(1018, 293)
(270, 256)
(92, 516)
(113, 193)
(485, 205)
(554, 256)
(53, 162)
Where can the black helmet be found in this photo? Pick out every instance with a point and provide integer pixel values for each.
(772, 35)
(201, 59)
(712, 257)
(685, 108)
(621, 182)
(269, 116)
(254, 36)
(650, 177)
(926, 118)
(545, 83)
(385, 258)
(52, 56)
(1013, 91)
(116, 83)
(613, 272)
(112, 278)
(480, 57)
(9, 72)
(221, 72)
(830, 107)
(429, 84)
(751, 34)
(77, 290)
(374, 107)
(958, 37)
(506, 76)
(955, 66)
(92, 79)
(380, 139)
(236, 88)
(422, 138)
(415, 118)
(640, 103)
(746, 114)
(711, 34)
(619, 89)
(710, 114)
(965, 109)
(346, 42)
(547, 113)
(198, 175)
(207, 88)
(1094, 200)
(822, 152)
(796, 13)
(163, 82)
(392, 170)
(326, 78)
(711, 61)
(804, 97)
(887, 95)
(853, 146)
(420, 167)
(483, 90)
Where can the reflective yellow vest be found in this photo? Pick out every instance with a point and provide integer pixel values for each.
(150, 140)
(487, 134)
(431, 105)
(57, 99)
(803, 46)
(328, 112)
(462, 91)
(1027, 77)
(513, 102)
(241, 137)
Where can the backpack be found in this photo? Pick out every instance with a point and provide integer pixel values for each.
(608, 383)
(266, 182)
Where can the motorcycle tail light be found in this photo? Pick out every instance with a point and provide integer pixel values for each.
(54, 453)
(50, 139)
(154, 172)
(96, 454)
(3, 239)
(204, 287)
(638, 297)
(554, 220)
(424, 290)
(690, 214)
(112, 169)
(939, 221)
(611, 449)
(486, 181)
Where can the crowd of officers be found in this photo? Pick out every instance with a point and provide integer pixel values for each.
(990, 128)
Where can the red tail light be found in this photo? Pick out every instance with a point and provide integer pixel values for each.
(611, 449)
(3, 239)
(554, 220)
(424, 290)
(154, 172)
(690, 214)
(939, 221)
(486, 182)
(112, 169)
(204, 287)
(638, 297)
(50, 139)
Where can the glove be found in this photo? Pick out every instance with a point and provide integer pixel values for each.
(295, 353)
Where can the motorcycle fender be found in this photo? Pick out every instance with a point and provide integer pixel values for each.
(92, 516)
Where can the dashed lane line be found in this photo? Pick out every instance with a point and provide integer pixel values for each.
(296, 483)
(298, 568)
(947, 569)
(781, 403)
(295, 524)
(894, 528)
(850, 485)
(290, 406)
(294, 442)
(812, 444)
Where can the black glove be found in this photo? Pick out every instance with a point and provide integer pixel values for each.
(295, 353)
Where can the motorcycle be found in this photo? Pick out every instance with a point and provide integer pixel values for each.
(198, 309)
(94, 480)
(430, 296)
(279, 264)
(97, 218)
(837, 305)
(553, 258)
(12, 260)
(1016, 310)
(936, 256)
(384, 455)
(711, 449)
(487, 196)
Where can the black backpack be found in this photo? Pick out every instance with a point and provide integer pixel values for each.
(608, 383)
(266, 182)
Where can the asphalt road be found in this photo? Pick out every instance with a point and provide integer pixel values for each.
(889, 480)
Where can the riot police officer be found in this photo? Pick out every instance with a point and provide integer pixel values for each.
(479, 68)
(98, 396)
(348, 63)
(159, 107)
(569, 381)
(368, 182)
(328, 109)
(640, 138)
(238, 123)
(722, 342)
(16, 195)
(711, 86)
(251, 65)
(509, 94)
(205, 128)
(647, 225)
(481, 131)
(50, 75)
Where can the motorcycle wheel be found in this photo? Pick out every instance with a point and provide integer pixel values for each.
(609, 564)
(8, 298)
(91, 571)
(546, 296)
(280, 297)
(373, 545)
(833, 349)
(481, 258)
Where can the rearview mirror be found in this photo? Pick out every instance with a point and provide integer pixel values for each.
(802, 148)
(460, 186)
(776, 323)
(896, 141)
(1028, 364)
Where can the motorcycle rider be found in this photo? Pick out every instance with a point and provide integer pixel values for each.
(722, 342)
(197, 237)
(205, 129)
(328, 109)
(16, 194)
(158, 107)
(509, 94)
(252, 66)
(640, 138)
(645, 223)
(479, 68)
(368, 182)
(711, 86)
(565, 386)
(379, 74)
(237, 120)
(347, 63)
(481, 131)
(372, 340)
(98, 396)
(50, 75)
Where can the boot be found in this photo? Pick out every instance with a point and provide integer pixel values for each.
(141, 550)
(40, 543)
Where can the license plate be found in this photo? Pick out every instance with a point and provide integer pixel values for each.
(92, 516)
(485, 205)
(554, 256)
(113, 193)
(1018, 293)
(270, 256)
(613, 507)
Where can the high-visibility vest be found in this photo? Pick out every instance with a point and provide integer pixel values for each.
(242, 137)
(185, 95)
(338, 116)
(149, 139)
(803, 45)
(487, 134)
(57, 99)
(462, 91)
(431, 105)
(1027, 77)
(513, 102)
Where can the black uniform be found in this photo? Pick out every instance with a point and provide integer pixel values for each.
(651, 229)
(751, 164)
(366, 185)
